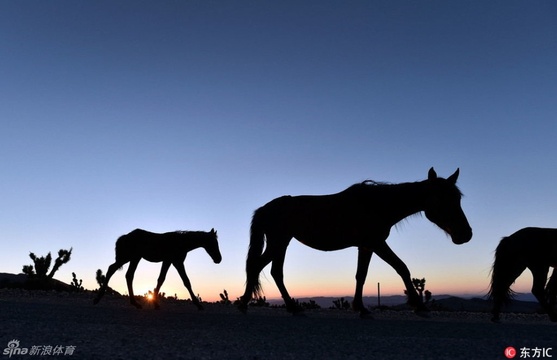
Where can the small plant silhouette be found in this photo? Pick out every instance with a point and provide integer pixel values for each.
(101, 279)
(42, 264)
(224, 298)
(260, 301)
(76, 284)
(340, 304)
(307, 305)
(419, 285)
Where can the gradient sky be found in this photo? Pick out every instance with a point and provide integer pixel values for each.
(168, 115)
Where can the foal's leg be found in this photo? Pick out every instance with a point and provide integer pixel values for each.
(364, 258)
(160, 281)
(384, 252)
(182, 271)
(111, 270)
(129, 281)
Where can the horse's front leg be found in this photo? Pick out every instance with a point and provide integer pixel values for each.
(111, 270)
(364, 258)
(182, 271)
(129, 281)
(384, 252)
(160, 281)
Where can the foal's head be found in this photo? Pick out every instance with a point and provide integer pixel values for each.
(211, 245)
(443, 207)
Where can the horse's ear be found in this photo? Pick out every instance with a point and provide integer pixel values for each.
(431, 175)
(213, 231)
(454, 176)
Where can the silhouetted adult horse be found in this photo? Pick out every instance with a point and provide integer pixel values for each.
(532, 248)
(360, 216)
(171, 248)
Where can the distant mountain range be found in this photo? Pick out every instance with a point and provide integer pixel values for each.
(522, 302)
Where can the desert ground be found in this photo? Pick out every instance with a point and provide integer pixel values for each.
(113, 329)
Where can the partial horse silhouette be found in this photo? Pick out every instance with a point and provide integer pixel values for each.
(360, 216)
(532, 248)
(171, 248)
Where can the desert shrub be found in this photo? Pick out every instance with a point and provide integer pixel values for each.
(340, 304)
(76, 284)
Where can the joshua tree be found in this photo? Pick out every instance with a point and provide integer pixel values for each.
(42, 264)
(63, 257)
(76, 283)
(340, 304)
(100, 280)
(419, 285)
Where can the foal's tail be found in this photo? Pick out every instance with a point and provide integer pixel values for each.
(256, 244)
(506, 268)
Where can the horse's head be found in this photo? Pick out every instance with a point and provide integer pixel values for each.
(443, 207)
(212, 247)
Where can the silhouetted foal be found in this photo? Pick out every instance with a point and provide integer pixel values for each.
(532, 248)
(171, 248)
(360, 216)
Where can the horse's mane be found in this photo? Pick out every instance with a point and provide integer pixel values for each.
(368, 184)
(189, 232)
(372, 184)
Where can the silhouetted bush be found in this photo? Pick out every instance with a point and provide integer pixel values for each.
(101, 279)
(260, 301)
(340, 304)
(77, 283)
(419, 285)
(224, 298)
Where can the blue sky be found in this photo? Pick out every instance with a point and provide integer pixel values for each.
(191, 114)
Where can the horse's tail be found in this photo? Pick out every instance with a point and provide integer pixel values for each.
(256, 244)
(122, 248)
(506, 268)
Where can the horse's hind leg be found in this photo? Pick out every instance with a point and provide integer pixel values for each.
(277, 271)
(111, 270)
(129, 281)
(538, 288)
(502, 279)
(254, 267)
(160, 281)
(182, 271)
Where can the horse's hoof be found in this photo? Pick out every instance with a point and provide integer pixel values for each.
(138, 306)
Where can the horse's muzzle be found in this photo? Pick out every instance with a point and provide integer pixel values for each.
(461, 237)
